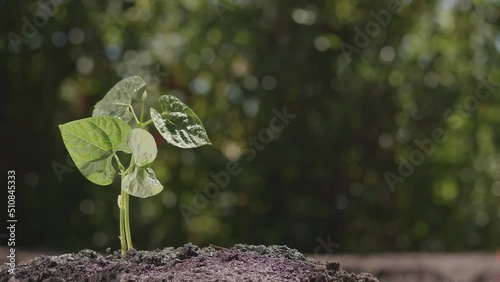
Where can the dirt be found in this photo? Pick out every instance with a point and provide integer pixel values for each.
(187, 263)
(423, 267)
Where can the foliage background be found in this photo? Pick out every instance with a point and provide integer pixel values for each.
(233, 62)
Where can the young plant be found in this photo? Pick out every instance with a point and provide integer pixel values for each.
(93, 143)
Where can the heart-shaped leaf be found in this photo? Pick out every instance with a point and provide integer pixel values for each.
(92, 142)
(142, 183)
(143, 146)
(178, 124)
(118, 100)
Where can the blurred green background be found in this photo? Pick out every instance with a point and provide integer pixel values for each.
(368, 81)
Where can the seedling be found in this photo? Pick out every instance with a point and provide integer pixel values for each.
(93, 142)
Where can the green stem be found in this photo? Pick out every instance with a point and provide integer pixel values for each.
(120, 166)
(127, 221)
(133, 113)
(142, 108)
(122, 224)
(143, 124)
(123, 204)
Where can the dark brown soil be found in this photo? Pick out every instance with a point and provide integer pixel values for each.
(187, 263)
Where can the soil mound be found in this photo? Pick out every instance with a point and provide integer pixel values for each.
(187, 263)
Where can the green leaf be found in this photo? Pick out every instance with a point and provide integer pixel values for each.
(92, 142)
(118, 100)
(178, 124)
(143, 146)
(142, 183)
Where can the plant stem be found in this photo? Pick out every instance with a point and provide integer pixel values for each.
(127, 221)
(133, 113)
(143, 124)
(125, 234)
(123, 204)
(120, 166)
(122, 224)
(142, 106)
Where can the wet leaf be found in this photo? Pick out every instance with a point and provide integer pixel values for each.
(142, 183)
(178, 124)
(117, 101)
